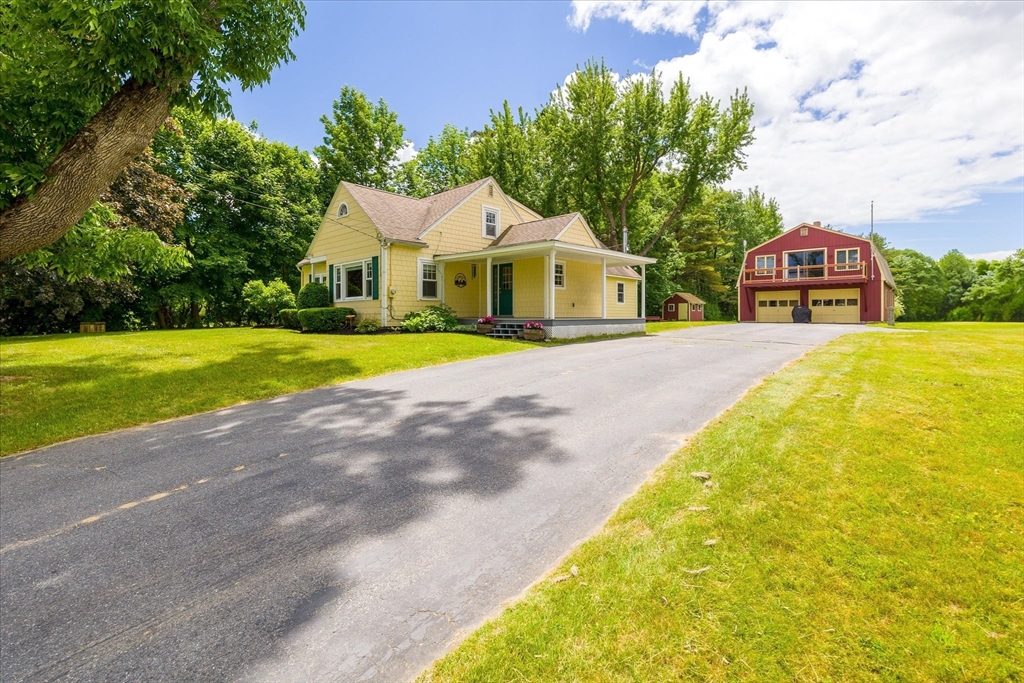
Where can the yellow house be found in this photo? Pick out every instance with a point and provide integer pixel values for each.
(479, 251)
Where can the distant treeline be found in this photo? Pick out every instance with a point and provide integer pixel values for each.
(213, 205)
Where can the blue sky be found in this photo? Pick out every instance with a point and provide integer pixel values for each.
(448, 62)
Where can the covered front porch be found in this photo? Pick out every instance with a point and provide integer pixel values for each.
(572, 290)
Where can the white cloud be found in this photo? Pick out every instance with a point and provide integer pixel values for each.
(991, 255)
(406, 152)
(919, 106)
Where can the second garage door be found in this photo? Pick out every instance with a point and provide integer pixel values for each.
(776, 307)
(835, 305)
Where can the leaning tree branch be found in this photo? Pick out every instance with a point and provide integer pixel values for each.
(84, 168)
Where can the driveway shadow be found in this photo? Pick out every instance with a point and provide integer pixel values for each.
(207, 581)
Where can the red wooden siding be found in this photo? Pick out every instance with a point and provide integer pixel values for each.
(870, 282)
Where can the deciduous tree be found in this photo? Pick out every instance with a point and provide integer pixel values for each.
(361, 144)
(85, 84)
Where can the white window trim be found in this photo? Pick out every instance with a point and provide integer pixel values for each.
(419, 279)
(672, 308)
(483, 222)
(554, 274)
(620, 293)
(846, 266)
(765, 269)
(341, 206)
(341, 282)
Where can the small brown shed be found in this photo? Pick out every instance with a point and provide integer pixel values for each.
(682, 306)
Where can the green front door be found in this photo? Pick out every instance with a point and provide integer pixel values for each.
(502, 288)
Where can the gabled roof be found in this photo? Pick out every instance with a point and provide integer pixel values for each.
(406, 219)
(622, 271)
(443, 202)
(687, 297)
(535, 231)
(396, 216)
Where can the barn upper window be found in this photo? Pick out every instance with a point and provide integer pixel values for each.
(342, 210)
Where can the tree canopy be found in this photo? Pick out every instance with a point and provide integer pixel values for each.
(85, 84)
(361, 144)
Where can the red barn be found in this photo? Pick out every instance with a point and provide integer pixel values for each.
(682, 306)
(842, 278)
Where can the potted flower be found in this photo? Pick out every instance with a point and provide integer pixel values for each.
(485, 325)
(533, 331)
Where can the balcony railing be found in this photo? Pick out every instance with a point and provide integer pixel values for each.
(823, 273)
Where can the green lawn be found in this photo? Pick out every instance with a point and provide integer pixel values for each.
(58, 387)
(868, 508)
(665, 325)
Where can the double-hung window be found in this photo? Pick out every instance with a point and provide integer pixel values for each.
(559, 275)
(428, 279)
(847, 259)
(620, 292)
(765, 265)
(491, 219)
(353, 281)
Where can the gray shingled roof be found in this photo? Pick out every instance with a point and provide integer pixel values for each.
(404, 218)
(622, 271)
(534, 231)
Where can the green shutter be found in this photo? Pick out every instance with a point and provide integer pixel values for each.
(376, 277)
(330, 281)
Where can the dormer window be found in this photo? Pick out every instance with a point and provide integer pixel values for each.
(342, 210)
(491, 218)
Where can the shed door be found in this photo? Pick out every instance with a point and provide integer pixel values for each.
(835, 305)
(777, 306)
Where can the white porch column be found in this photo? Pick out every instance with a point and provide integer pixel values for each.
(490, 285)
(643, 291)
(547, 287)
(551, 277)
(440, 277)
(604, 287)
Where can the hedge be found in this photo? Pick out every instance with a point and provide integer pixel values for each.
(313, 295)
(323, 319)
(289, 318)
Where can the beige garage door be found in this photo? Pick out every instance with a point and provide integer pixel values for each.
(776, 307)
(835, 305)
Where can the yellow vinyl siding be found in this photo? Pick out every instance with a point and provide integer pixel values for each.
(402, 276)
(342, 240)
(581, 297)
(525, 212)
(577, 233)
(469, 301)
(462, 229)
(528, 288)
(615, 309)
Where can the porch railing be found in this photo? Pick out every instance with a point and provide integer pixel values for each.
(822, 273)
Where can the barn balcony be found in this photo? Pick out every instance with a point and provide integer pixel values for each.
(832, 272)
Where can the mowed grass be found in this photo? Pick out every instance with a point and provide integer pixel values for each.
(666, 325)
(59, 387)
(867, 508)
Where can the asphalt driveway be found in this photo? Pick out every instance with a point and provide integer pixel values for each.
(349, 533)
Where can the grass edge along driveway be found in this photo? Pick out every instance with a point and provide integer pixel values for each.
(65, 386)
(59, 387)
(863, 522)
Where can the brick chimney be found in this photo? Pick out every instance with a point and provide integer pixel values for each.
(817, 224)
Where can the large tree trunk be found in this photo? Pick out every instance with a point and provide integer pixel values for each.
(84, 169)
